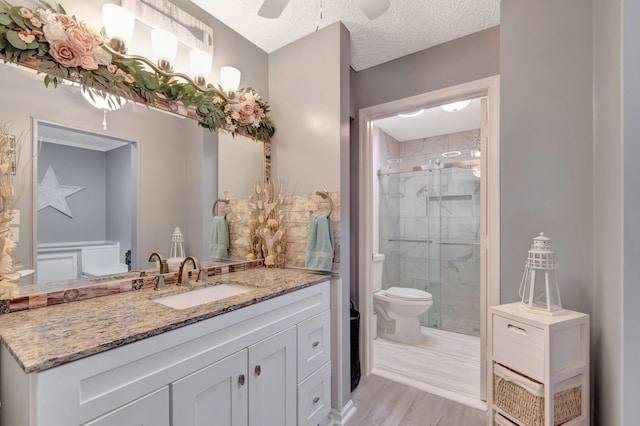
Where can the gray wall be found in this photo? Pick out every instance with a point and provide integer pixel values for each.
(608, 236)
(74, 167)
(311, 151)
(631, 289)
(547, 142)
(459, 61)
(121, 198)
(304, 86)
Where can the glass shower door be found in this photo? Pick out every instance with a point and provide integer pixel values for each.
(455, 251)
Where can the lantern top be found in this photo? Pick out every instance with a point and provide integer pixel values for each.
(541, 256)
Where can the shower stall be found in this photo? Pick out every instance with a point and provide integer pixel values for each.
(429, 231)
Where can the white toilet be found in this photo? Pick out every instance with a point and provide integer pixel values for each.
(398, 308)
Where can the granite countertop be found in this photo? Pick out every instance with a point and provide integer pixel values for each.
(44, 338)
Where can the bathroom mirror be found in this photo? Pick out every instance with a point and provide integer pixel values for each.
(168, 149)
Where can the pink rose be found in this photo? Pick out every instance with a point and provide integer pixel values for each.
(26, 36)
(25, 13)
(95, 35)
(88, 62)
(247, 109)
(38, 34)
(66, 21)
(241, 98)
(125, 76)
(112, 68)
(80, 40)
(64, 53)
(36, 22)
(244, 120)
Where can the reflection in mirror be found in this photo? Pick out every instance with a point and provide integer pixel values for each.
(240, 165)
(177, 164)
(86, 203)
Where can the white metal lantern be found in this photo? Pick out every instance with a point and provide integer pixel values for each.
(539, 287)
(176, 252)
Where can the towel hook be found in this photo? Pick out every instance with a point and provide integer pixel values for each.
(325, 194)
(214, 209)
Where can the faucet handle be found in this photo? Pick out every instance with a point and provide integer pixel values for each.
(164, 266)
(160, 285)
(203, 275)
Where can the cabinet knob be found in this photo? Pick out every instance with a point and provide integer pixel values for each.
(258, 370)
(241, 380)
(315, 344)
(316, 399)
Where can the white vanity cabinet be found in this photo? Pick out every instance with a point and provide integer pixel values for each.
(240, 368)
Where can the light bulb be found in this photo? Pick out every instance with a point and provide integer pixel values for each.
(456, 106)
(200, 62)
(230, 78)
(119, 23)
(165, 47)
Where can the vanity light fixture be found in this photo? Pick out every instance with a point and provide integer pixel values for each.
(411, 114)
(119, 24)
(200, 62)
(450, 154)
(165, 47)
(456, 106)
(230, 78)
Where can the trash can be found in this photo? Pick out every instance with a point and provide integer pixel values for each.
(354, 316)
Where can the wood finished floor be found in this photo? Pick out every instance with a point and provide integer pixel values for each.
(444, 360)
(382, 402)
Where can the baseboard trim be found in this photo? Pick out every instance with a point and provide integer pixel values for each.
(340, 418)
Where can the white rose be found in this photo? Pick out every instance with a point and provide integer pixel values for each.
(102, 56)
(54, 32)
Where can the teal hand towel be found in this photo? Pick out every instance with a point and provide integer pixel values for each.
(320, 244)
(219, 238)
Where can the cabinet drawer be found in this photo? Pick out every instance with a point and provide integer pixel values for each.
(314, 344)
(150, 410)
(314, 397)
(519, 346)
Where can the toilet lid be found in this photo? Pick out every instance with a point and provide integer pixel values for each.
(408, 293)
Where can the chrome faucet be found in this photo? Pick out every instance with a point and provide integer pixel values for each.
(164, 269)
(202, 273)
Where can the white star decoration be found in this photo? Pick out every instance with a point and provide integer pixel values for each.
(50, 193)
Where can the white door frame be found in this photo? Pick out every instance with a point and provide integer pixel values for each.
(490, 200)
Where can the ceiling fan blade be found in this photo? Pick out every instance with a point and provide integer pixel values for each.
(272, 9)
(373, 8)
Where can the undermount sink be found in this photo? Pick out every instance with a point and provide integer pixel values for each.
(193, 298)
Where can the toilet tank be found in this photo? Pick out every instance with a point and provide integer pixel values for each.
(378, 265)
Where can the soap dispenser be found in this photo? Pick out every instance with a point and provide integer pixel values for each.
(176, 253)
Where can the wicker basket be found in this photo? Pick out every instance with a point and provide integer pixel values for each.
(523, 398)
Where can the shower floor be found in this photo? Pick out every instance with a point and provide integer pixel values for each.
(445, 364)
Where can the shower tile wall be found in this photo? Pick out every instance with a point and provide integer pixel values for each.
(437, 207)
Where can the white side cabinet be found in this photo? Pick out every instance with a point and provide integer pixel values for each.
(265, 364)
(539, 367)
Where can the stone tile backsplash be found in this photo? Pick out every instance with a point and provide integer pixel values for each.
(297, 210)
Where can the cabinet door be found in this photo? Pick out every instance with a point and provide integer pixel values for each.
(150, 410)
(216, 394)
(272, 371)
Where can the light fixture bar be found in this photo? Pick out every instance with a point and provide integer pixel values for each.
(166, 74)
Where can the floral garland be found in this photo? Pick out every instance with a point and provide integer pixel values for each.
(51, 41)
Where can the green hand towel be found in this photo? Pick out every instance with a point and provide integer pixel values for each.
(219, 238)
(320, 244)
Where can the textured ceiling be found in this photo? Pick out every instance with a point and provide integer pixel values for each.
(408, 26)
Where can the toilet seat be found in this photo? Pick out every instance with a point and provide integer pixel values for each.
(404, 293)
